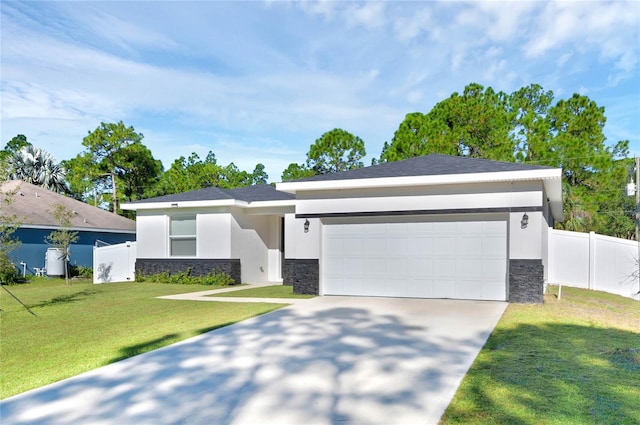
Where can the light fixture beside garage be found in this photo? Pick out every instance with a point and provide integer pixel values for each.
(525, 221)
(306, 226)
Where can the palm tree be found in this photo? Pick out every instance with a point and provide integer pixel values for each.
(37, 166)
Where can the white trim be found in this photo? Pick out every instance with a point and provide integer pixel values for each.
(501, 176)
(182, 204)
(206, 203)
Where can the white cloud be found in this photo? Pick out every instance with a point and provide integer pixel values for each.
(324, 8)
(260, 84)
(563, 59)
(409, 27)
(369, 15)
(610, 28)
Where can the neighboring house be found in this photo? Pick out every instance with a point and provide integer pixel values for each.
(33, 208)
(435, 226)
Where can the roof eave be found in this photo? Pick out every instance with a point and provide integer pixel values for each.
(183, 204)
(441, 179)
(269, 204)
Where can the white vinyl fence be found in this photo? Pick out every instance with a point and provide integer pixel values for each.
(593, 261)
(114, 263)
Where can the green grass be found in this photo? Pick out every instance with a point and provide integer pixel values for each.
(569, 361)
(276, 291)
(82, 326)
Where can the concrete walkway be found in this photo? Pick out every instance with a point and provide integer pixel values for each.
(207, 296)
(329, 360)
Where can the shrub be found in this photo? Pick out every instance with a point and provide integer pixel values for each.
(81, 271)
(8, 272)
(214, 278)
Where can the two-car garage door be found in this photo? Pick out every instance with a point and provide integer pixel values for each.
(460, 259)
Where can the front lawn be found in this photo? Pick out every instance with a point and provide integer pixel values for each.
(82, 326)
(569, 361)
(275, 291)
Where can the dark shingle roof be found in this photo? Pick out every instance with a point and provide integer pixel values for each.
(429, 165)
(262, 192)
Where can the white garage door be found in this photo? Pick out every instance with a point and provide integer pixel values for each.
(451, 259)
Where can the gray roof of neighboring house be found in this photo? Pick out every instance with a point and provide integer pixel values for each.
(33, 205)
(262, 192)
(429, 165)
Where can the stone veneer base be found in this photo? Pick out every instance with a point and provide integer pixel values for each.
(198, 266)
(303, 275)
(526, 281)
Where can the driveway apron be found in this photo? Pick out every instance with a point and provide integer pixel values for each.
(329, 360)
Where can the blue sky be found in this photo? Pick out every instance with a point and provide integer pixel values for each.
(261, 81)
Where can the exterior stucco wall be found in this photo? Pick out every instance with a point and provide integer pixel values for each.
(152, 230)
(446, 197)
(274, 248)
(526, 243)
(249, 243)
(299, 244)
(214, 235)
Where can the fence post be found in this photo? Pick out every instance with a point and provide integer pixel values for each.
(592, 260)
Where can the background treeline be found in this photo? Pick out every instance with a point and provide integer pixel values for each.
(526, 126)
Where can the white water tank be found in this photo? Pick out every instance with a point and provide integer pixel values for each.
(54, 262)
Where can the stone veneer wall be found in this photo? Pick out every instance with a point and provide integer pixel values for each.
(198, 266)
(526, 281)
(303, 275)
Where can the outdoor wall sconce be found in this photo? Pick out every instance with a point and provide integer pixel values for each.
(306, 226)
(525, 221)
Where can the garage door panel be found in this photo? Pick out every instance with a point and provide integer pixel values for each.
(494, 228)
(421, 244)
(353, 266)
(420, 267)
(469, 289)
(443, 288)
(444, 267)
(376, 266)
(375, 287)
(376, 245)
(354, 246)
(493, 269)
(445, 228)
(397, 245)
(354, 285)
(469, 245)
(334, 267)
(438, 259)
(466, 267)
(493, 289)
(420, 288)
(446, 246)
(422, 229)
(494, 247)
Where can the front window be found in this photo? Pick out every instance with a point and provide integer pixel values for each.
(182, 236)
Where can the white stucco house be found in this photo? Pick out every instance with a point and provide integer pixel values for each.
(435, 226)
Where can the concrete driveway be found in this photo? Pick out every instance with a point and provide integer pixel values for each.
(330, 360)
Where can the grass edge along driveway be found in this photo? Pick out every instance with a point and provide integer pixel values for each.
(83, 326)
(570, 361)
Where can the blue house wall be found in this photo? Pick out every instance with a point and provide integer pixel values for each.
(33, 248)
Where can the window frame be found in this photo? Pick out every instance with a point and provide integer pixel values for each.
(182, 237)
